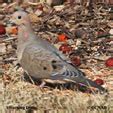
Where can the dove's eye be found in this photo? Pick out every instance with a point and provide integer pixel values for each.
(19, 17)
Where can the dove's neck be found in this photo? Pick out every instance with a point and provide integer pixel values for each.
(25, 36)
(25, 33)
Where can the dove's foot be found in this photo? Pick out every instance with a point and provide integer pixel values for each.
(42, 84)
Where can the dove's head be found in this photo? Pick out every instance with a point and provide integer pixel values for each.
(20, 18)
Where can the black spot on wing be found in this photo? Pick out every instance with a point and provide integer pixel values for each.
(54, 64)
(53, 61)
(44, 68)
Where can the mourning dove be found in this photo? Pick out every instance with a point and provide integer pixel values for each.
(42, 60)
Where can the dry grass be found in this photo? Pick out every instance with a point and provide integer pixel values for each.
(22, 94)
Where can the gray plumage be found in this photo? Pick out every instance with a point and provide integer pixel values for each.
(42, 60)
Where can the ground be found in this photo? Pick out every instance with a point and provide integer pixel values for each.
(87, 34)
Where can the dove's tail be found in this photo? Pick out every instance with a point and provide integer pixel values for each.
(72, 74)
(79, 80)
(82, 79)
(91, 83)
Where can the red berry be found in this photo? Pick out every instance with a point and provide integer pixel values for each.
(99, 81)
(62, 38)
(76, 61)
(65, 48)
(15, 30)
(2, 30)
(109, 62)
(40, 7)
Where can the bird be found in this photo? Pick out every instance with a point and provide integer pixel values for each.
(42, 60)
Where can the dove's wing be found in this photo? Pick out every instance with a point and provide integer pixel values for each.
(42, 60)
(39, 62)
